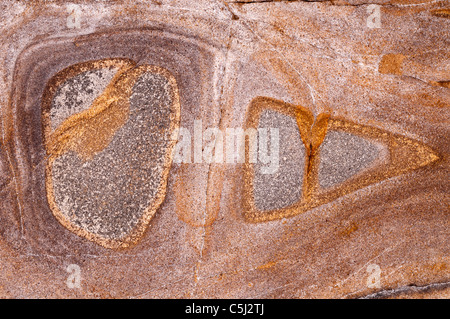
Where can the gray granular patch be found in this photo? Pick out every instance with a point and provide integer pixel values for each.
(77, 94)
(108, 195)
(284, 187)
(343, 155)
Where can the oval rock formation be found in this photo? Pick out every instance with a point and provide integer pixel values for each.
(108, 132)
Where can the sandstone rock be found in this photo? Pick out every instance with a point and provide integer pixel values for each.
(358, 205)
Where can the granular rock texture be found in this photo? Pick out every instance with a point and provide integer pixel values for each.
(283, 187)
(358, 207)
(109, 194)
(343, 155)
(77, 94)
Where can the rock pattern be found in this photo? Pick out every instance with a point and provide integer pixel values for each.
(109, 161)
(357, 208)
(333, 153)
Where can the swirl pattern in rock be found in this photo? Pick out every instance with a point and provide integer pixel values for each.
(109, 161)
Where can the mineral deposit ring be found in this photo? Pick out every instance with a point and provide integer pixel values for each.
(108, 130)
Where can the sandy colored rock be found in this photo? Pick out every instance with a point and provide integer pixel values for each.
(381, 230)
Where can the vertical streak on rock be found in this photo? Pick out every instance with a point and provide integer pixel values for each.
(312, 132)
(6, 130)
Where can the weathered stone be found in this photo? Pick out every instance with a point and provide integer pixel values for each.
(371, 199)
(108, 196)
(283, 187)
(343, 155)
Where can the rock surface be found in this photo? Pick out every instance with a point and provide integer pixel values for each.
(358, 208)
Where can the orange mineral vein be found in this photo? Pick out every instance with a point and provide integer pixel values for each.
(404, 155)
(89, 132)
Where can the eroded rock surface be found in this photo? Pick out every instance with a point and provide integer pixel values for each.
(283, 187)
(114, 193)
(357, 207)
(343, 155)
